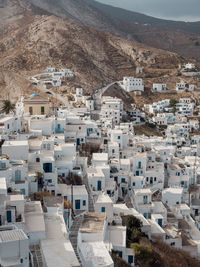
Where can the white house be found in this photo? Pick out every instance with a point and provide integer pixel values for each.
(172, 196)
(159, 87)
(91, 247)
(104, 204)
(10, 147)
(76, 194)
(14, 247)
(132, 84)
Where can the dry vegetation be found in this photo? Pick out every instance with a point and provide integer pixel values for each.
(148, 97)
(34, 41)
(146, 130)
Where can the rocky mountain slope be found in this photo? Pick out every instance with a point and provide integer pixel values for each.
(179, 37)
(32, 41)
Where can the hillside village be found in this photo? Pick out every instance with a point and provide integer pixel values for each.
(79, 186)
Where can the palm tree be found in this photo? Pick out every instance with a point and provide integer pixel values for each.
(8, 106)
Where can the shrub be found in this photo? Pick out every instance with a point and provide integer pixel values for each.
(143, 254)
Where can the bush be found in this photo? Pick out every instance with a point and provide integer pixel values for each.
(172, 102)
(143, 254)
(133, 230)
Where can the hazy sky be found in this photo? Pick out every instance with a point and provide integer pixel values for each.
(188, 10)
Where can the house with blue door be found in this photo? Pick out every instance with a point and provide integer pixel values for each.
(116, 235)
(96, 178)
(104, 204)
(139, 163)
(76, 194)
(142, 201)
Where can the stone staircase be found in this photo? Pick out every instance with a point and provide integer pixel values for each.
(73, 233)
(90, 198)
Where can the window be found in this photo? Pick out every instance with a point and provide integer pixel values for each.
(133, 183)
(145, 199)
(2, 165)
(103, 209)
(48, 147)
(139, 165)
(37, 159)
(119, 137)
(154, 179)
(84, 202)
(123, 180)
(17, 175)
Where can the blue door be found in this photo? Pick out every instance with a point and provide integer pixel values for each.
(78, 141)
(47, 167)
(103, 209)
(160, 222)
(130, 259)
(99, 186)
(77, 204)
(9, 216)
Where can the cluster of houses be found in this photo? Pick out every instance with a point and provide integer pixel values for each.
(43, 153)
(52, 77)
(131, 84)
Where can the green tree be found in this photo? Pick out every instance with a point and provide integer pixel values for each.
(173, 102)
(7, 107)
(133, 228)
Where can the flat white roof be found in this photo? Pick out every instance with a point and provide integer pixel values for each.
(116, 235)
(57, 249)
(2, 120)
(18, 197)
(16, 143)
(96, 253)
(173, 190)
(3, 185)
(34, 218)
(100, 156)
(123, 209)
(12, 235)
(78, 190)
(142, 191)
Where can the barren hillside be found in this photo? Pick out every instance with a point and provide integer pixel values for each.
(33, 42)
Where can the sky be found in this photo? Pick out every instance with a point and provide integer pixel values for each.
(186, 10)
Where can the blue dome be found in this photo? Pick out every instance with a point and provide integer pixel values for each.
(33, 95)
